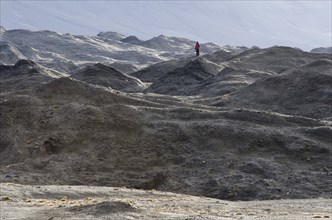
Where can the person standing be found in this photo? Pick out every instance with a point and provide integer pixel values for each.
(197, 48)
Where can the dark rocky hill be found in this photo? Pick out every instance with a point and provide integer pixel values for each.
(184, 80)
(304, 91)
(229, 80)
(131, 40)
(102, 75)
(23, 75)
(154, 72)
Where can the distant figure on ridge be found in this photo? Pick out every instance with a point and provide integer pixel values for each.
(197, 48)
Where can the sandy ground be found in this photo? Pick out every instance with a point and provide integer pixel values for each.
(90, 202)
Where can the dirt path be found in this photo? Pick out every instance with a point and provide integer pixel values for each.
(89, 202)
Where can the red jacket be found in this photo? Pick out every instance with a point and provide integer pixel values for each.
(197, 46)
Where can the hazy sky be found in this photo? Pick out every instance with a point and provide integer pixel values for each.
(304, 24)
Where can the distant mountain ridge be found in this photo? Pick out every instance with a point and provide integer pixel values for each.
(322, 50)
(66, 52)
